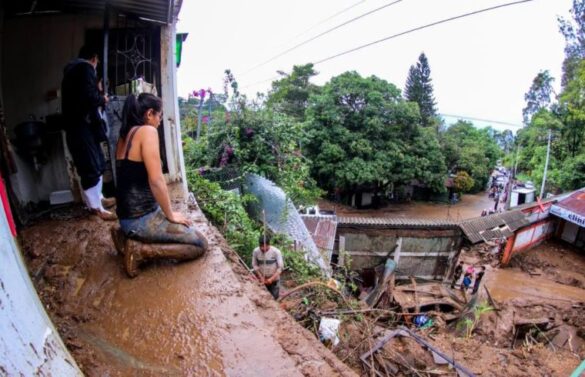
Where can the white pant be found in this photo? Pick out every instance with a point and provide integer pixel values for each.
(93, 196)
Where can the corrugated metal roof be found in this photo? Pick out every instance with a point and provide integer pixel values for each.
(397, 222)
(574, 202)
(473, 228)
(165, 11)
(323, 229)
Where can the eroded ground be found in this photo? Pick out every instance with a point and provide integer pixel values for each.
(198, 318)
(534, 324)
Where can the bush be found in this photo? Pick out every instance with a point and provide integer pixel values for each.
(226, 211)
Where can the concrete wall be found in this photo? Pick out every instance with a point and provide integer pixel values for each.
(35, 50)
(174, 145)
(423, 253)
(29, 343)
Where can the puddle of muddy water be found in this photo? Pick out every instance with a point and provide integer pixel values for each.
(508, 284)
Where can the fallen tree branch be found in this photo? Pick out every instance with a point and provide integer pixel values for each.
(313, 284)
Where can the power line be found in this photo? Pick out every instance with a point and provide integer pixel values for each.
(482, 120)
(420, 28)
(404, 33)
(260, 82)
(319, 35)
(327, 19)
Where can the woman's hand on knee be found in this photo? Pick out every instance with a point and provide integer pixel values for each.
(179, 218)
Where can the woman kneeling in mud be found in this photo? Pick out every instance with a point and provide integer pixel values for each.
(152, 228)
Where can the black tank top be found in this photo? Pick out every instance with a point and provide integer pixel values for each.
(133, 195)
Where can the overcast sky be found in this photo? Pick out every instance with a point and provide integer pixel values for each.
(481, 65)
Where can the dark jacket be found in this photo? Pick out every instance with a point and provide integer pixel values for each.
(80, 94)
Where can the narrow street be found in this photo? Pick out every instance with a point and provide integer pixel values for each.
(471, 205)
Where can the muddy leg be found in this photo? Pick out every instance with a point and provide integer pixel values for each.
(137, 252)
(118, 238)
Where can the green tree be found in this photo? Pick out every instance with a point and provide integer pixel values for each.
(572, 111)
(290, 94)
(471, 150)
(505, 140)
(463, 182)
(363, 135)
(574, 33)
(539, 95)
(419, 89)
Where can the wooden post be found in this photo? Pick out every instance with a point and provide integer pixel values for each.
(341, 256)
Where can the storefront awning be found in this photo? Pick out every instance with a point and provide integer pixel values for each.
(571, 208)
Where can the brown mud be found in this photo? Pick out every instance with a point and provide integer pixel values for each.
(471, 205)
(199, 318)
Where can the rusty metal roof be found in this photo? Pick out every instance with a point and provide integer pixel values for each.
(574, 202)
(323, 229)
(164, 11)
(493, 226)
(394, 222)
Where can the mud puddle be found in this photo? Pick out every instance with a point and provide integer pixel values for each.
(508, 284)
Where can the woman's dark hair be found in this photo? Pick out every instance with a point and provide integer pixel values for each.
(135, 108)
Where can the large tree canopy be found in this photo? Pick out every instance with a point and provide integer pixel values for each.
(289, 95)
(539, 95)
(564, 118)
(574, 33)
(362, 134)
(419, 89)
(470, 150)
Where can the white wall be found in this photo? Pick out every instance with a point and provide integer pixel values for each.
(29, 344)
(174, 146)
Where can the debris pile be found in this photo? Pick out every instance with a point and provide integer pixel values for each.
(423, 328)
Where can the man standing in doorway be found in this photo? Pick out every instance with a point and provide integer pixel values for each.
(81, 99)
(268, 265)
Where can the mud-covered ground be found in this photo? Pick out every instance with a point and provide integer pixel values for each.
(199, 318)
(541, 293)
(471, 205)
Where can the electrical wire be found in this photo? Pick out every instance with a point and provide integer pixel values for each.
(421, 28)
(481, 120)
(327, 19)
(400, 34)
(319, 36)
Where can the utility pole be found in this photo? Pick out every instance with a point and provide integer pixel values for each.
(516, 161)
(545, 165)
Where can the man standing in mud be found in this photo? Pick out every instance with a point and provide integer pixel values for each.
(457, 274)
(477, 281)
(268, 265)
(81, 99)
